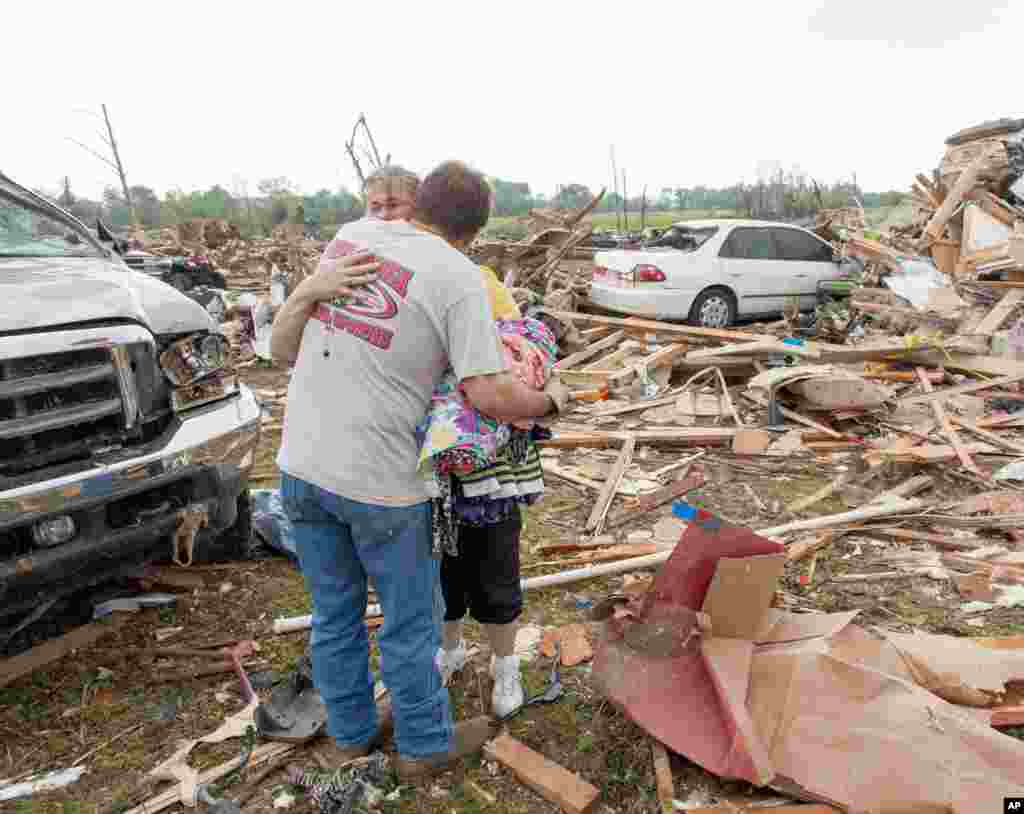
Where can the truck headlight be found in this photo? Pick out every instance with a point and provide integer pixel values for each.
(195, 366)
(193, 358)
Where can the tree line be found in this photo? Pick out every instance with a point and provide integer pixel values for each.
(278, 201)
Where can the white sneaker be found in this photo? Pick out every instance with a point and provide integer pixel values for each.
(449, 662)
(508, 693)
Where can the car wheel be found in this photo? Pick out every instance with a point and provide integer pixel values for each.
(714, 308)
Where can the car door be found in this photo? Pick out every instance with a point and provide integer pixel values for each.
(808, 260)
(751, 267)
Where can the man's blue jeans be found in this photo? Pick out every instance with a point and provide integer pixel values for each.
(340, 542)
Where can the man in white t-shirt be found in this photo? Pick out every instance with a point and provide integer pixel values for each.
(365, 369)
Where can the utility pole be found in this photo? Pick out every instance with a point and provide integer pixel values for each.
(643, 208)
(120, 167)
(625, 202)
(615, 185)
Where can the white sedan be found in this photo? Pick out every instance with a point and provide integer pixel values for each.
(712, 271)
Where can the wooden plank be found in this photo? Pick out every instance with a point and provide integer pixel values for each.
(590, 351)
(991, 437)
(947, 426)
(659, 358)
(999, 313)
(964, 184)
(648, 503)
(696, 436)
(665, 327)
(991, 205)
(817, 497)
(937, 540)
(962, 390)
(551, 781)
(663, 776)
(621, 409)
(909, 487)
(611, 485)
(760, 348)
(55, 649)
(792, 415)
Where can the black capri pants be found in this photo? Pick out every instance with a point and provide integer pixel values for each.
(484, 578)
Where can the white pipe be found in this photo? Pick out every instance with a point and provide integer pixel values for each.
(296, 623)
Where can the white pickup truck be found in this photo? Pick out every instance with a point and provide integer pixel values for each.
(124, 437)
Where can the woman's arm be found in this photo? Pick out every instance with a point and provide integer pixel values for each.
(327, 283)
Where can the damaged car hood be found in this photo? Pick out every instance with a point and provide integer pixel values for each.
(48, 291)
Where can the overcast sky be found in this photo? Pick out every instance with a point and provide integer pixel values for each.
(689, 93)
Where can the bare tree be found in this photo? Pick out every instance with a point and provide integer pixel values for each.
(370, 152)
(116, 164)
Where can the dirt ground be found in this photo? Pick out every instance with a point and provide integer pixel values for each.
(107, 707)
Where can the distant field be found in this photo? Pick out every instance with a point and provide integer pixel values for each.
(605, 221)
(884, 217)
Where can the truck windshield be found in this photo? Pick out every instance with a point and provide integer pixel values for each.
(26, 232)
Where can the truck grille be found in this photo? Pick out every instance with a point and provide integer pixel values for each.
(58, 407)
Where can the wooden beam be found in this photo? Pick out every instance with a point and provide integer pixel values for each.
(647, 503)
(964, 184)
(590, 351)
(992, 205)
(55, 649)
(552, 782)
(995, 318)
(611, 485)
(991, 437)
(695, 436)
(962, 390)
(666, 327)
(947, 427)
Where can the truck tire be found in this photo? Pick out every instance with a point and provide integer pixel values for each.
(233, 544)
(713, 308)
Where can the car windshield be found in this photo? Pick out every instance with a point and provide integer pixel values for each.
(684, 238)
(27, 232)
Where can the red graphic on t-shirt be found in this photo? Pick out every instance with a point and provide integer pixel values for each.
(373, 300)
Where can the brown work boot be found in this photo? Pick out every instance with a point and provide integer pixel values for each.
(335, 755)
(468, 738)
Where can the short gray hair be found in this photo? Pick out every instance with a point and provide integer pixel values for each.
(391, 173)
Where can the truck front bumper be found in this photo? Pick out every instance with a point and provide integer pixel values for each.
(126, 512)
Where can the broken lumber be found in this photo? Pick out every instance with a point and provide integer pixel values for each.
(663, 327)
(590, 351)
(261, 754)
(899, 506)
(991, 437)
(55, 649)
(696, 436)
(796, 808)
(794, 416)
(947, 426)
(622, 409)
(648, 503)
(964, 184)
(552, 782)
(964, 389)
(607, 493)
(937, 540)
(995, 318)
(909, 487)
